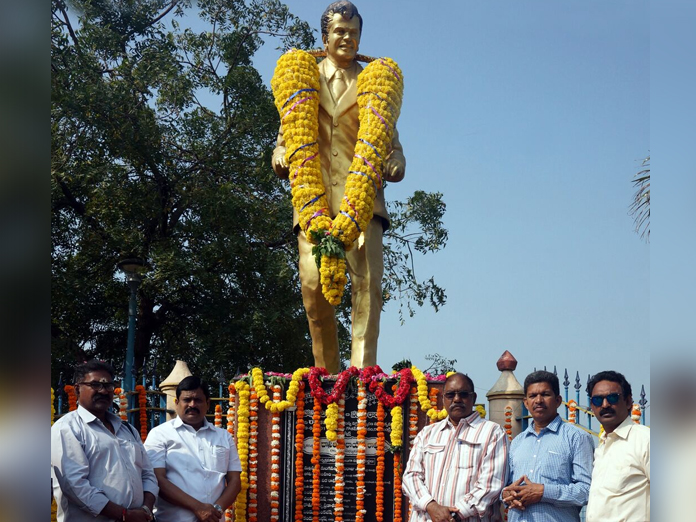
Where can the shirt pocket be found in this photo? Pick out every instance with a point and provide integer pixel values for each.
(556, 468)
(468, 453)
(131, 453)
(219, 458)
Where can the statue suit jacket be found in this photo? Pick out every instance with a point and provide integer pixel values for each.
(338, 132)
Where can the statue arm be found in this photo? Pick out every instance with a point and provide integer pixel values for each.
(280, 165)
(395, 166)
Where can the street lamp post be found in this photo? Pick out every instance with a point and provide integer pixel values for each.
(133, 269)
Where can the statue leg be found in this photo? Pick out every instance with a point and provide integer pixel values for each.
(365, 267)
(320, 314)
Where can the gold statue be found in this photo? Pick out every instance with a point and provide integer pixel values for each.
(341, 27)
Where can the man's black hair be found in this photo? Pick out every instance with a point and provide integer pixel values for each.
(192, 383)
(342, 7)
(91, 366)
(543, 376)
(463, 376)
(612, 376)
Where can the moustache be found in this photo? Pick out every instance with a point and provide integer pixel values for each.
(192, 410)
(100, 398)
(606, 411)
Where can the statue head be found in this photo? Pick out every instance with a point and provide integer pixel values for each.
(341, 27)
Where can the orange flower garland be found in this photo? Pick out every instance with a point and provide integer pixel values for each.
(360, 458)
(433, 404)
(316, 462)
(142, 404)
(122, 403)
(398, 495)
(275, 458)
(572, 413)
(508, 422)
(412, 417)
(218, 416)
(72, 396)
(252, 508)
(231, 410)
(340, 484)
(379, 498)
(636, 414)
(299, 454)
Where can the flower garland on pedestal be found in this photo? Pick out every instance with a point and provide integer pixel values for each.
(316, 458)
(142, 406)
(339, 485)
(299, 454)
(218, 416)
(423, 397)
(252, 509)
(398, 494)
(360, 458)
(508, 422)
(433, 404)
(379, 487)
(243, 449)
(295, 85)
(72, 396)
(231, 410)
(122, 404)
(275, 458)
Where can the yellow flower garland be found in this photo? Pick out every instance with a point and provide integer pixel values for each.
(295, 85)
(423, 397)
(242, 448)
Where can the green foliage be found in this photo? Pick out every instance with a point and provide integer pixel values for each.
(640, 207)
(439, 365)
(403, 363)
(161, 145)
(415, 225)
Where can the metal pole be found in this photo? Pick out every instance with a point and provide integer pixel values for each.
(129, 385)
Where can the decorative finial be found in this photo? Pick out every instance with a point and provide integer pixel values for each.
(507, 362)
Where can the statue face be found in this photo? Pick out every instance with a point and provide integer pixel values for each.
(343, 40)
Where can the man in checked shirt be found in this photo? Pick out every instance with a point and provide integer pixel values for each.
(458, 466)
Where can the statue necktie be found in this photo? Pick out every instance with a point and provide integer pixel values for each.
(338, 85)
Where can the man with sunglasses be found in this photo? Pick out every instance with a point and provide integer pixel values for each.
(99, 467)
(620, 489)
(458, 466)
(550, 462)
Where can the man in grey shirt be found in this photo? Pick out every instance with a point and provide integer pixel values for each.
(99, 467)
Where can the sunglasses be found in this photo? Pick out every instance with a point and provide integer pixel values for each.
(462, 394)
(612, 398)
(96, 386)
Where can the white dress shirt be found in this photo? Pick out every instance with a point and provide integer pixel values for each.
(196, 461)
(620, 488)
(90, 466)
(463, 466)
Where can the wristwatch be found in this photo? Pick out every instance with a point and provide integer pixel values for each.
(147, 511)
(219, 508)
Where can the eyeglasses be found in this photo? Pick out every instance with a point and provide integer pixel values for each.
(612, 398)
(96, 386)
(462, 394)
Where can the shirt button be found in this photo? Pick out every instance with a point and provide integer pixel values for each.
(334, 152)
(335, 124)
(334, 183)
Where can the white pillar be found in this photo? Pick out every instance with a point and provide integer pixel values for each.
(168, 385)
(506, 393)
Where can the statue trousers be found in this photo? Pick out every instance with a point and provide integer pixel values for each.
(365, 268)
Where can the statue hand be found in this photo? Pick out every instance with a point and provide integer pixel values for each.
(394, 170)
(280, 166)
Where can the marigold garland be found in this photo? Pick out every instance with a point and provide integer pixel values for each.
(433, 405)
(243, 449)
(636, 413)
(379, 470)
(299, 454)
(122, 403)
(252, 507)
(316, 459)
(339, 459)
(412, 417)
(424, 398)
(275, 458)
(508, 422)
(277, 406)
(231, 412)
(218, 416)
(72, 396)
(481, 410)
(360, 458)
(398, 494)
(142, 406)
(54, 507)
(295, 85)
(572, 411)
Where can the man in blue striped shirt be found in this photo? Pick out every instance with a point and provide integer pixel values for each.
(550, 462)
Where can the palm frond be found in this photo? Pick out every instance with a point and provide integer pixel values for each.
(640, 208)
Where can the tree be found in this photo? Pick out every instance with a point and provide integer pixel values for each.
(640, 207)
(161, 146)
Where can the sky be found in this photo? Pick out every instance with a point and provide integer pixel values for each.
(531, 118)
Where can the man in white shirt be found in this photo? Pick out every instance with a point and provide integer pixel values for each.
(620, 488)
(196, 464)
(99, 468)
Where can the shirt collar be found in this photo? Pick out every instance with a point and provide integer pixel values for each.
(554, 426)
(330, 69)
(178, 423)
(471, 420)
(87, 416)
(622, 430)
